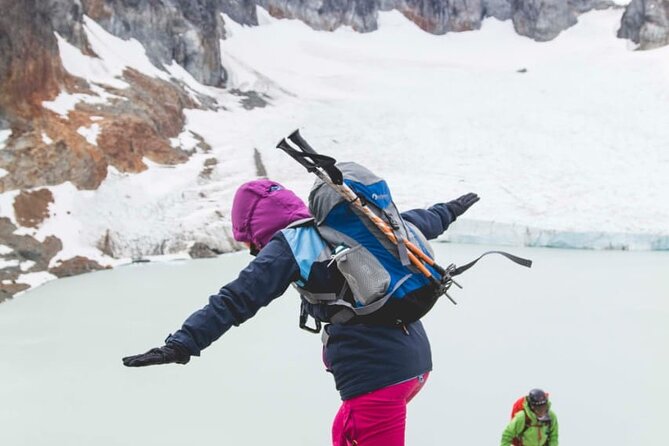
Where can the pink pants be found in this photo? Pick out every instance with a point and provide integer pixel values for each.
(377, 418)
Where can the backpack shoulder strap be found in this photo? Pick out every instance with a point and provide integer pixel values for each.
(302, 222)
(528, 423)
(549, 430)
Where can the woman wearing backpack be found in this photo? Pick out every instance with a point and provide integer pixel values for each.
(533, 423)
(377, 368)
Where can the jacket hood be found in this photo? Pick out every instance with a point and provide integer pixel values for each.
(261, 208)
(530, 413)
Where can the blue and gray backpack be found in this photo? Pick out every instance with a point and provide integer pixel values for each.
(357, 226)
(375, 269)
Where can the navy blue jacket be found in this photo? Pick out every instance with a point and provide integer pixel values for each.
(361, 357)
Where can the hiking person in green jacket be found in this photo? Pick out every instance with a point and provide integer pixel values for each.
(533, 423)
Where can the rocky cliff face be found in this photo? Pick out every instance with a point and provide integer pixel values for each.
(46, 148)
(538, 19)
(185, 31)
(646, 22)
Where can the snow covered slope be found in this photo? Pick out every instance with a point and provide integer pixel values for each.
(565, 141)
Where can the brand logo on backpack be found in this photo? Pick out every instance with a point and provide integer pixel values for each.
(381, 197)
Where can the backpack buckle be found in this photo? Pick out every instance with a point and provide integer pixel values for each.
(337, 252)
(304, 316)
(446, 282)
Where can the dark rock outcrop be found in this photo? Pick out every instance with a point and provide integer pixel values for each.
(185, 31)
(31, 162)
(75, 266)
(499, 9)
(646, 22)
(29, 255)
(542, 20)
(31, 208)
(200, 250)
(327, 14)
(26, 248)
(7, 290)
(261, 171)
(67, 20)
(208, 168)
(30, 68)
(241, 11)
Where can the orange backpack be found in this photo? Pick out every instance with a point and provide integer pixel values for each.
(517, 407)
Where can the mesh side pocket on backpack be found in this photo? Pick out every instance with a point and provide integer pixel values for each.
(364, 274)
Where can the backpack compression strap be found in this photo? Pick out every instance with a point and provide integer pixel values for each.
(519, 260)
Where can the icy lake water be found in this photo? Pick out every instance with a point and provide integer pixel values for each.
(591, 327)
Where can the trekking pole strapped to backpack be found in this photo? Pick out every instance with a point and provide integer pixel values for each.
(387, 263)
(354, 199)
(324, 167)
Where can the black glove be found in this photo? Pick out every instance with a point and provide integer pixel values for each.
(171, 352)
(461, 204)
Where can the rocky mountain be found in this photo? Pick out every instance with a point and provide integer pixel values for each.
(137, 119)
(538, 19)
(646, 22)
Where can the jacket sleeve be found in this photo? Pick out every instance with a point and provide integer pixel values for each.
(263, 280)
(513, 429)
(433, 221)
(553, 437)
